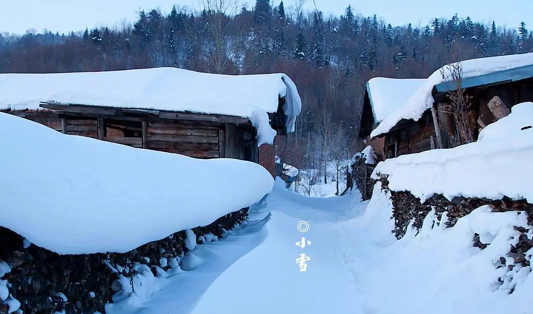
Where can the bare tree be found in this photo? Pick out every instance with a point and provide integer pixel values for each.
(339, 151)
(220, 49)
(458, 107)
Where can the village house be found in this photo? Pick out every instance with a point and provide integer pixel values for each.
(492, 85)
(382, 97)
(166, 109)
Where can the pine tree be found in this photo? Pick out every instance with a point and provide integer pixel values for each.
(301, 45)
(522, 37)
(262, 12)
(281, 12)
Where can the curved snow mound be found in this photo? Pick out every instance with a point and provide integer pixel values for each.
(77, 195)
(498, 165)
(170, 89)
(422, 99)
(521, 117)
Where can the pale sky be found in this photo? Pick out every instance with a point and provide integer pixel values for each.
(18, 16)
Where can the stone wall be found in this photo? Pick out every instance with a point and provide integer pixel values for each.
(40, 280)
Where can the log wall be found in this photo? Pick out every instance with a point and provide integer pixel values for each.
(199, 139)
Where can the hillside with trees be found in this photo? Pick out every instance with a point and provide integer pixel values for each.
(329, 57)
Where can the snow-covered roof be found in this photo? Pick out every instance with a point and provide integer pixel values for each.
(171, 89)
(58, 194)
(387, 94)
(497, 165)
(422, 99)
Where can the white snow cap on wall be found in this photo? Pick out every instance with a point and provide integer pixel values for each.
(78, 195)
(388, 94)
(422, 99)
(248, 96)
(499, 164)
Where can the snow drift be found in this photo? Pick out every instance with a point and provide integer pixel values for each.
(437, 270)
(422, 99)
(77, 195)
(497, 165)
(248, 96)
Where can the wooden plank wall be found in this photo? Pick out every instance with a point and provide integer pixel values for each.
(196, 140)
(199, 139)
(85, 127)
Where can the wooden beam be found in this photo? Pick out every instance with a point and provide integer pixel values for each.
(80, 109)
(64, 125)
(436, 126)
(131, 141)
(145, 134)
(182, 146)
(101, 128)
(184, 131)
(81, 128)
(183, 139)
(498, 108)
(221, 142)
(140, 111)
(215, 118)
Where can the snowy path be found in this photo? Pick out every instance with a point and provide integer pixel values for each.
(268, 279)
(356, 265)
(256, 267)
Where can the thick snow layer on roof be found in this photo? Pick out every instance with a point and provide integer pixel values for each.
(77, 195)
(497, 165)
(173, 89)
(422, 99)
(388, 94)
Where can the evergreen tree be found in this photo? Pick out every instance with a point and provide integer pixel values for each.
(522, 37)
(301, 46)
(262, 12)
(281, 12)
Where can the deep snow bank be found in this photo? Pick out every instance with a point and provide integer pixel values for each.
(497, 165)
(438, 270)
(77, 195)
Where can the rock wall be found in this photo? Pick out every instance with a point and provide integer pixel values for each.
(46, 282)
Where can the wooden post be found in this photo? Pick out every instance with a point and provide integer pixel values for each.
(365, 182)
(64, 125)
(436, 126)
(101, 128)
(432, 142)
(498, 108)
(145, 134)
(221, 144)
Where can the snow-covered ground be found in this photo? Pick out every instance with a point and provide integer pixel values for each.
(312, 181)
(355, 265)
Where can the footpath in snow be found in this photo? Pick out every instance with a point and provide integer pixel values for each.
(355, 266)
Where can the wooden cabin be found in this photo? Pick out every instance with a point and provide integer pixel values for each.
(488, 94)
(201, 126)
(382, 97)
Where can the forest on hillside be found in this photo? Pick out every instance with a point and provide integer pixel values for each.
(329, 57)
